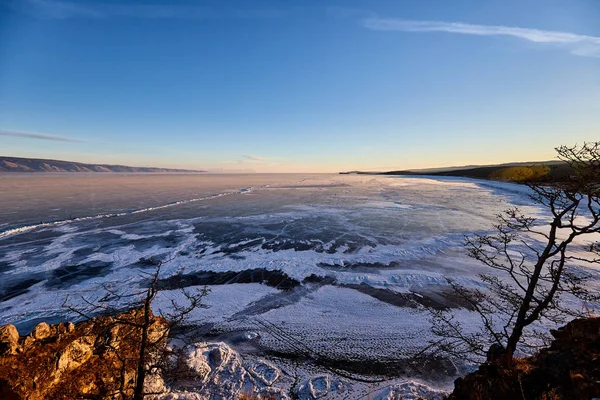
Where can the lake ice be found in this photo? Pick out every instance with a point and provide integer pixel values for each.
(347, 264)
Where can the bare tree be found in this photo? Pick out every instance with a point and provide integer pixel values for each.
(537, 262)
(151, 354)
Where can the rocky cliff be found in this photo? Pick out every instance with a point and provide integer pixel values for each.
(97, 359)
(567, 370)
(93, 359)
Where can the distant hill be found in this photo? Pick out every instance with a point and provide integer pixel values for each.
(514, 172)
(17, 164)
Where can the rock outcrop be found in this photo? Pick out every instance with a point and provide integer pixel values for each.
(569, 369)
(97, 359)
(9, 340)
(93, 359)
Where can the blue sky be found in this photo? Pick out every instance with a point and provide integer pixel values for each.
(282, 86)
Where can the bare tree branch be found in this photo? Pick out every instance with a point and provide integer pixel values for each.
(536, 263)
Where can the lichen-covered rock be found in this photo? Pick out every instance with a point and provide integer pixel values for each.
(27, 342)
(74, 354)
(41, 331)
(65, 327)
(158, 330)
(67, 361)
(9, 340)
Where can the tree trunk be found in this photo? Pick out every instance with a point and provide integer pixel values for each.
(506, 360)
(141, 367)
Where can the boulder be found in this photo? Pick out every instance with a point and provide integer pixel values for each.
(41, 331)
(28, 342)
(74, 354)
(9, 339)
(158, 330)
(65, 327)
(567, 369)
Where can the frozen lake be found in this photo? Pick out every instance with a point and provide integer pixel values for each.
(346, 264)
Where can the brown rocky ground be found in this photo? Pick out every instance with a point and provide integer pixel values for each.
(96, 359)
(91, 360)
(568, 370)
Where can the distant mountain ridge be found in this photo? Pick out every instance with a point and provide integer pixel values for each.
(476, 166)
(514, 172)
(18, 164)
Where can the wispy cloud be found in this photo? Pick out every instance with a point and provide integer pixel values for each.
(255, 158)
(54, 9)
(34, 135)
(257, 161)
(581, 45)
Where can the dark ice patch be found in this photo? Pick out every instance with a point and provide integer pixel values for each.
(275, 279)
(430, 367)
(100, 242)
(5, 266)
(321, 280)
(81, 254)
(17, 288)
(411, 300)
(150, 262)
(287, 297)
(65, 276)
(41, 237)
(146, 243)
